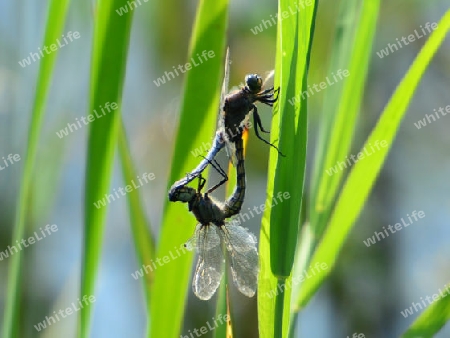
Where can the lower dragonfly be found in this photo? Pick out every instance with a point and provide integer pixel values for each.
(234, 112)
(213, 231)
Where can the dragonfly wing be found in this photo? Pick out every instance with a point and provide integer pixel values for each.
(243, 257)
(231, 152)
(209, 269)
(229, 146)
(269, 78)
(226, 78)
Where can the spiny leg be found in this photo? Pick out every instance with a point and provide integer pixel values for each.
(257, 121)
(267, 98)
(219, 169)
(201, 182)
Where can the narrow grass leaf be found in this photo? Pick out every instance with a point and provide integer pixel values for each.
(352, 48)
(54, 28)
(140, 227)
(363, 175)
(110, 47)
(280, 224)
(351, 52)
(197, 125)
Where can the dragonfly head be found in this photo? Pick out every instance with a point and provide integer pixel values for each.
(182, 194)
(253, 83)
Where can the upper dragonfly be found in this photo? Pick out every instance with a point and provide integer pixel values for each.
(234, 113)
(213, 231)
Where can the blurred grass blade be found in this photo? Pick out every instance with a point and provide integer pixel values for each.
(280, 222)
(54, 28)
(110, 46)
(351, 52)
(364, 173)
(197, 125)
(144, 242)
(431, 320)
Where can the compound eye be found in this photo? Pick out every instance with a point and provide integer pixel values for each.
(253, 82)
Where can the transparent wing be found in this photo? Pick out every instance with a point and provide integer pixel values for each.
(230, 149)
(229, 146)
(209, 269)
(224, 92)
(226, 78)
(243, 257)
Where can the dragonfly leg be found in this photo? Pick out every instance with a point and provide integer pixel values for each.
(219, 169)
(269, 99)
(266, 91)
(257, 121)
(201, 182)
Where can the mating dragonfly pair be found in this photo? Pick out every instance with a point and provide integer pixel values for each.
(213, 231)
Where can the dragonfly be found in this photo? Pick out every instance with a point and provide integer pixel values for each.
(234, 114)
(214, 232)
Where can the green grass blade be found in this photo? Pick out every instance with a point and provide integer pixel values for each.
(144, 242)
(431, 320)
(364, 173)
(54, 28)
(197, 125)
(280, 222)
(111, 38)
(351, 52)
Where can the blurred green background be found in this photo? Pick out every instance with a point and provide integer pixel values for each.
(369, 287)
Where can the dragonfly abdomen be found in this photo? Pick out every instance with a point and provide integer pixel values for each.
(234, 203)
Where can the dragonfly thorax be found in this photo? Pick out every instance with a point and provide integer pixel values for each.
(236, 108)
(206, 210)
